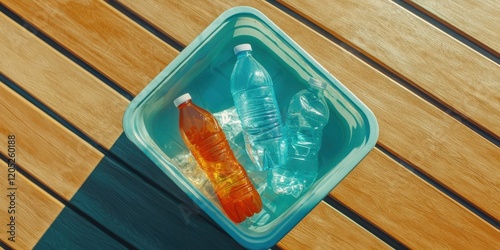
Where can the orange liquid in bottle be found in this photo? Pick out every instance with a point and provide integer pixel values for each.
(204, 137)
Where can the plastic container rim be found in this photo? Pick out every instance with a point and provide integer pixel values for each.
(296, 216)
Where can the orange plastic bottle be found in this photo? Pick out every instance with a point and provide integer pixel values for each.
(204, 137)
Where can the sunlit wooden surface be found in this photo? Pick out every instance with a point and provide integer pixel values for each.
(70, 67)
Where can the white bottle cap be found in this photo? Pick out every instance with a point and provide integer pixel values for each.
(317, 83)
(182, 99)
(242, 47)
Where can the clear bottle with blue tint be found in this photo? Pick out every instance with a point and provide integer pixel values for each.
(257, 107)
(307, 115)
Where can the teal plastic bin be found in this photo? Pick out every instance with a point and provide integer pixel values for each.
(203, 69)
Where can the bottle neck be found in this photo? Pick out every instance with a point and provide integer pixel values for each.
(244, 53)
(184, 104)
(316, 90)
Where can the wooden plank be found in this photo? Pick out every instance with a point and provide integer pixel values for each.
(73, 93)
(323, 218)
(38, 220)
(110, 194)
(80, 98)
(441, 66)
(476, 20)
(195, 16)
(461, 160)
(43, 147)
(19, 75)
(101, 36)
(323, 64)
(34, 211)
(413, 212)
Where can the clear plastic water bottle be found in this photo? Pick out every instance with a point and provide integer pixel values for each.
(207, 142)
(307, 115)
(257, 107)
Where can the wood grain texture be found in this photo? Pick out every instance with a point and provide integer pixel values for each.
(73, 93)
(196, 16)
(441, 66)
(104, 190)
(61, 161)
(413, 212)
(77, 96)
(82, 204)
(476, 20)
(35, 211)
(311, 45)
(42, 221)
(431, 140)
(101, 36)
(342, 232)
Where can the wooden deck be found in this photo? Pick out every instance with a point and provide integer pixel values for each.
(429, 70)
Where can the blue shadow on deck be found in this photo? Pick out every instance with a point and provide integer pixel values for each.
(137, 213)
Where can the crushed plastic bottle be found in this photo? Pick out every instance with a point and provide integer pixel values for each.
(205, 139)
(307, 115)
(257, 107)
